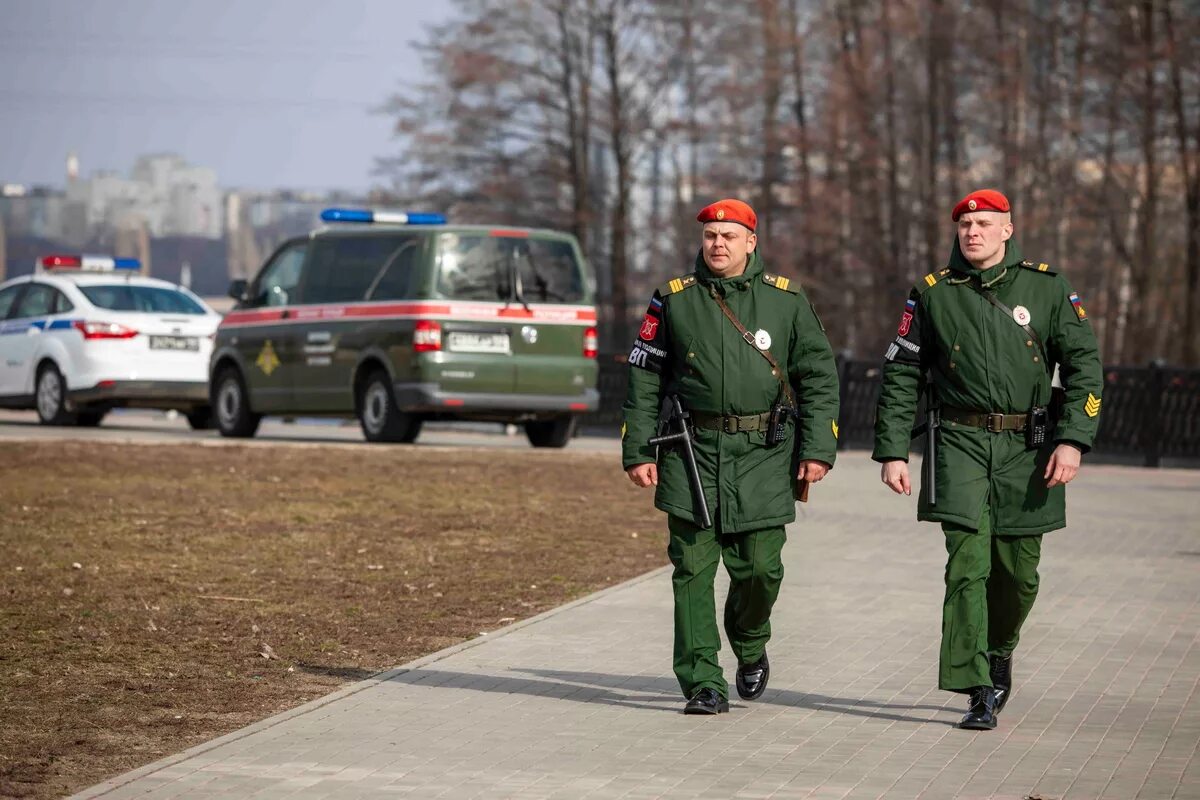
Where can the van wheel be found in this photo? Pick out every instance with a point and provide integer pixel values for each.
(377, 413)
(200, 419)
(50, 393)
(232, 405)
(551, 432)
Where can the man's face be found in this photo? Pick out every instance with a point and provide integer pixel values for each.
(727, 246)
(981, 236)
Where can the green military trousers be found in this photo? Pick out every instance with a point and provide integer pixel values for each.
(752, 559)
(991, 583)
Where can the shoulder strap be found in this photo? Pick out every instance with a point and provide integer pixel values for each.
(779, 282)
(930, 280)
(748, 338)
(677, 285)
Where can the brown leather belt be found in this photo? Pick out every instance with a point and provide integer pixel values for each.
(991, 421)
(731, 423)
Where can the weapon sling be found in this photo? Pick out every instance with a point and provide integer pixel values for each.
(748, 338)
(801, 488)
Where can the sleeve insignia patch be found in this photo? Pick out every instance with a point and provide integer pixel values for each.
(1077, 304)
(649, 328)
(1092, 406)
(834, 425)
(907, 317)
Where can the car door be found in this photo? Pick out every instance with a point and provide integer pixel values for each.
(11, 334)
(29, 321)
(266, 331)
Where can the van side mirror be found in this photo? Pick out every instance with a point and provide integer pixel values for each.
(237, 288)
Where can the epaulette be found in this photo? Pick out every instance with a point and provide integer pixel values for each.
(930, 280)
(779, 282)
(677, 285)
(1039, 267)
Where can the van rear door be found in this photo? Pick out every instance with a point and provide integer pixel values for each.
(561, 324)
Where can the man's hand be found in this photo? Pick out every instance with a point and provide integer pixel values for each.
(895, 475)
(812, 471)
(643, 475)
(1063, 465)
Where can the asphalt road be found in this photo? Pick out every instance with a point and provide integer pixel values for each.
(160, 427)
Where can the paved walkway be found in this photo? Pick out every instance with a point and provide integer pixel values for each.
(580, 702)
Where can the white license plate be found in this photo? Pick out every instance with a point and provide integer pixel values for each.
(471, 342)
(174, 343)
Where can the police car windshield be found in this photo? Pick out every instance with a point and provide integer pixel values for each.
(146, 299)
(483, 266)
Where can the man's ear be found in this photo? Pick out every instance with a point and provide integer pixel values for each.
(1007, 231)
(752, 242)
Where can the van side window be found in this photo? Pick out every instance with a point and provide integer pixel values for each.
(397, 278)
(344, 269)
(276, 284)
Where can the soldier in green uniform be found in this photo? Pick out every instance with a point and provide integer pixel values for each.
(728, 376)
(985, 333)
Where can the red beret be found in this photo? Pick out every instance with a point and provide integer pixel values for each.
(981, 200)
(729, 210)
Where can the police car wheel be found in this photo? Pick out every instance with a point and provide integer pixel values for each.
(51, 397)
(234, 417)
(550, 433)
(90, 419)
(377, 413)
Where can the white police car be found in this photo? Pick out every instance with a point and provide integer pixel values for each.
(85, 334)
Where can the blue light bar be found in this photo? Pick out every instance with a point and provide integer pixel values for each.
(382, 217)
(126, 263)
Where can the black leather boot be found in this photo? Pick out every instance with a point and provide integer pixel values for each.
(1001, 670)
(706, 701)
(982, 714)
(752, 678)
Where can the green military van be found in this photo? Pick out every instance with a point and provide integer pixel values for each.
(398, 318)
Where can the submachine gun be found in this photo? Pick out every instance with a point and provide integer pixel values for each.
(933, 421)
(682, 433)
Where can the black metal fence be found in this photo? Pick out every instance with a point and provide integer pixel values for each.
(1151, 414)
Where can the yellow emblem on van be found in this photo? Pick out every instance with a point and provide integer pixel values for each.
(267, 361)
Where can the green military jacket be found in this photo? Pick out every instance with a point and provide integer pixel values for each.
(687, 347)
(980, 359)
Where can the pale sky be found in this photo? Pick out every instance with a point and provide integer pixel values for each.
(269, 93)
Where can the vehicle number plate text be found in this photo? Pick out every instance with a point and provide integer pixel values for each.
(174, 343)
(474, 342)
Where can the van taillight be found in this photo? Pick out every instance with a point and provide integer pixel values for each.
(427, 336)
(590, 343)
(103, 330)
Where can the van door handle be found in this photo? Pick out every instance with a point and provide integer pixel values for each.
(285, 314)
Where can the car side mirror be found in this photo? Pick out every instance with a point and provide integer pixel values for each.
(237, 288)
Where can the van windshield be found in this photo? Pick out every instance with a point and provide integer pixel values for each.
(483, 267)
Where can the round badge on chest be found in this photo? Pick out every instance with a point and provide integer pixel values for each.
(762, 339)
(1021, 315)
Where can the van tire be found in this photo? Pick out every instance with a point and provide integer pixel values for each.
(378, 415)
(550, 432)
(50, 396)
(231, 405)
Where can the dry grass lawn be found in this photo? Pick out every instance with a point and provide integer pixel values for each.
(155, 597)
